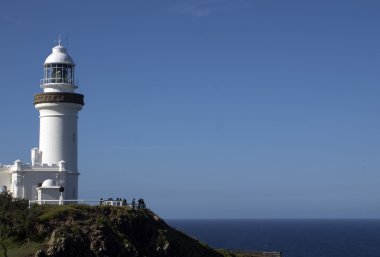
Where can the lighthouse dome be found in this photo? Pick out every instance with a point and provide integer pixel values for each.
(59, 55)
(48, 183)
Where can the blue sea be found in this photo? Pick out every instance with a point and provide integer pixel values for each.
(294, 238)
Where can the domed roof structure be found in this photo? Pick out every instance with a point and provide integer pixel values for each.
(59, 55)
(48, 183)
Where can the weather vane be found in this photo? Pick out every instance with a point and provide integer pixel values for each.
(59, 40)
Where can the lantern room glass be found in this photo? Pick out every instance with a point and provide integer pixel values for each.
(59, 73)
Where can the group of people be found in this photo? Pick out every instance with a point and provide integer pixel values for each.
(123, 202)
(113, 202)
(140, 205)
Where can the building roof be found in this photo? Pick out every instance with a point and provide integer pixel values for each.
(48, 183)
(59, 55)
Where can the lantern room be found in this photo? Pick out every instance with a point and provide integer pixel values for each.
(58, 71)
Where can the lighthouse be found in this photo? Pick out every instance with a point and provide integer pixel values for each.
(52, 175)
(58, 106)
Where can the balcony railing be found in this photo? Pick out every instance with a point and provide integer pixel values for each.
(58, 81)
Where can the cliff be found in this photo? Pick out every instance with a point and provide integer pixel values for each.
(89, 231)
(78, 230)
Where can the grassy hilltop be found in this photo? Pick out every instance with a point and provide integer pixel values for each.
(89, 231)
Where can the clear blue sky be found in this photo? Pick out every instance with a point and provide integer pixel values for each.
(209, 108)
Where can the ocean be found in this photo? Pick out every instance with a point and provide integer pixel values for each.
(294, 238)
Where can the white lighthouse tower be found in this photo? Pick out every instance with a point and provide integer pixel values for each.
(52, 175)
(59, 106)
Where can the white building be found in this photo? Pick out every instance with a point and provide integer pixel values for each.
(54, 165)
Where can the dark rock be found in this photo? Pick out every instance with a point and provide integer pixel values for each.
(105, 231)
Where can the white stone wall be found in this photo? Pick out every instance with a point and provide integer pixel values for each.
(5, 179)
(71, 186)
(23, 183)
(48, 194)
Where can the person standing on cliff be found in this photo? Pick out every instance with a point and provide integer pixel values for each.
(133, 203)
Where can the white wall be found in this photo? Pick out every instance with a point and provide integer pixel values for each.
(59, 133)
(5, 180)
(27, 182)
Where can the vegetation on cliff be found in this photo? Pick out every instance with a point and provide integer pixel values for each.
(89, 231)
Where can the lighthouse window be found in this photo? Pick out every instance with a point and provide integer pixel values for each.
(59, 73)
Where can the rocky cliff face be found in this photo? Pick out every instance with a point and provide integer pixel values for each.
(73, 231)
